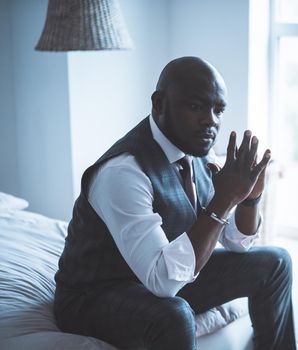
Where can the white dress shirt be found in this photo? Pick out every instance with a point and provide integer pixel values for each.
(122, 195)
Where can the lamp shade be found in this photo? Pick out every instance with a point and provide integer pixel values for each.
(84, 25)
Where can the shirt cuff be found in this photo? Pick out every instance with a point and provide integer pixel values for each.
(180, 260)
(234, 239)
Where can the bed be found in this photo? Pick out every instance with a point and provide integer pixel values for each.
(30, 246)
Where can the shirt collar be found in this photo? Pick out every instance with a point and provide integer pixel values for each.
(172, 152)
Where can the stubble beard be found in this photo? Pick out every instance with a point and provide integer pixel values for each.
(171, 134)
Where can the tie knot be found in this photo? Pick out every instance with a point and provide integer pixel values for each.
(185, 162)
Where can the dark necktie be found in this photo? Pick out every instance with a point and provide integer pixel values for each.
(186, 164)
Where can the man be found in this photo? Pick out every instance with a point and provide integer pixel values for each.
(139, 260)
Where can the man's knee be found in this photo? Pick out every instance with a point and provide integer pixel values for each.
(280, 257)
(278, 262)
(175, 318)
(179, 312)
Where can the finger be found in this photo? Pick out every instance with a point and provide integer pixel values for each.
(214, 168)
(262, 164)
(252, 154)
(255, 161)
(244, 147)
(263, 173)
(231, 150)
(236, 152)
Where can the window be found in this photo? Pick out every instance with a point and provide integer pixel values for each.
(283, 56)
(286, 11)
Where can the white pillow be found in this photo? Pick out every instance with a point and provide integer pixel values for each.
(10, 202)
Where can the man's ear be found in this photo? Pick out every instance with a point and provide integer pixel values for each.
(157, 102)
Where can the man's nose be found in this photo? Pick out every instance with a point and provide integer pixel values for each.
(209, 118)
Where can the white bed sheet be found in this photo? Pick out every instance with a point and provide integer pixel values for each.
(30, 246)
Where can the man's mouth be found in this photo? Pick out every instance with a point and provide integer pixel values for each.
(205, 136)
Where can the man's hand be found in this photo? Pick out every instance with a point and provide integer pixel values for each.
(241, 176)
(259, 185)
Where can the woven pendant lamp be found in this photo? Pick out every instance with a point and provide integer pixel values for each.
(84, 25)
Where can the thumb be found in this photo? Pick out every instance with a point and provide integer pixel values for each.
(213, 167)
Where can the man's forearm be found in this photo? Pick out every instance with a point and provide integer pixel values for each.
(205, 232)
(247, 219)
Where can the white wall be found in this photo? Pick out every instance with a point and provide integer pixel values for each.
(42, 115)
(110, 91)
(8, 141)
(217, 31)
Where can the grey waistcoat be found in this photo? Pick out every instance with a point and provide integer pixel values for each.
(90, 257)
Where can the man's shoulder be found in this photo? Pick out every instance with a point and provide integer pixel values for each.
(121, 171)
(122, 160)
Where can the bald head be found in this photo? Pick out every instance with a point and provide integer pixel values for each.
(182, 72)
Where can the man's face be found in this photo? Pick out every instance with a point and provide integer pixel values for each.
(192, 114)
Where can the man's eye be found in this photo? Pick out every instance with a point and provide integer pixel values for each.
(218, 112)
(195, 106)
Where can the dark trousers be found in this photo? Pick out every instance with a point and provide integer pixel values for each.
(127, 315)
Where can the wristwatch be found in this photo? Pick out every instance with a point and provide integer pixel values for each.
(251, 202)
